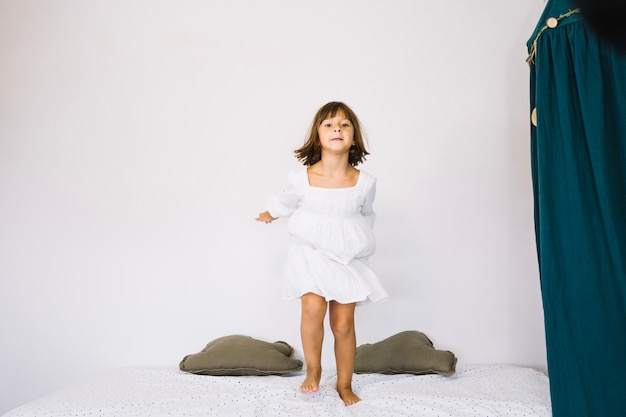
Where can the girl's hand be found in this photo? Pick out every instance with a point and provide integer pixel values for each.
(265, 217)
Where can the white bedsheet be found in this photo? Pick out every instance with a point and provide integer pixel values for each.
(476, 390)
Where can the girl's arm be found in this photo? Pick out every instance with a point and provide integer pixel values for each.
(283, 204)
(367, 210)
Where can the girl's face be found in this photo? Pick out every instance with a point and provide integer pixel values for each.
(336, 133)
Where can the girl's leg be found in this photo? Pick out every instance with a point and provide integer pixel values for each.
(342, 325)
(312, 333)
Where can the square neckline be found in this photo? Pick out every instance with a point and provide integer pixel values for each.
(308, 183)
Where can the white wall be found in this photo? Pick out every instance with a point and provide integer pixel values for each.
(139, 139)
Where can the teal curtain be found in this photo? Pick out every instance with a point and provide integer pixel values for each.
(578, 145)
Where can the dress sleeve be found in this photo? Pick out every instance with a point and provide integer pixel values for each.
(367, 209)
(285, 203)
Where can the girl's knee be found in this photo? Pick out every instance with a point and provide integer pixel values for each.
(342, 319)
(342, 328)
(313, 305)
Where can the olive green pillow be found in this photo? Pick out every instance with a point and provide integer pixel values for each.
(238, 355)
(409, 352)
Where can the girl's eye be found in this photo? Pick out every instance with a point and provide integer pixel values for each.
(346, 125)
(326, 124)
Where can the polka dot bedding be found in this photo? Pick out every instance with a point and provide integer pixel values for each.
(475, 390)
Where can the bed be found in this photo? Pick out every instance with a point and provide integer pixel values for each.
(237, 375)
(474, 390)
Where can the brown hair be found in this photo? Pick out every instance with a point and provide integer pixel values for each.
(311, 151)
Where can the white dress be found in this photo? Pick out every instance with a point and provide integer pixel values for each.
(332, 237)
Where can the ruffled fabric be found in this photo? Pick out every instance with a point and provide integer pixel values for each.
(332, 237)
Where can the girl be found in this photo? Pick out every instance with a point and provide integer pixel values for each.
(330, 204)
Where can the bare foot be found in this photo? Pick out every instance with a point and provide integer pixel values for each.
(348, 396)
(311, 382)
